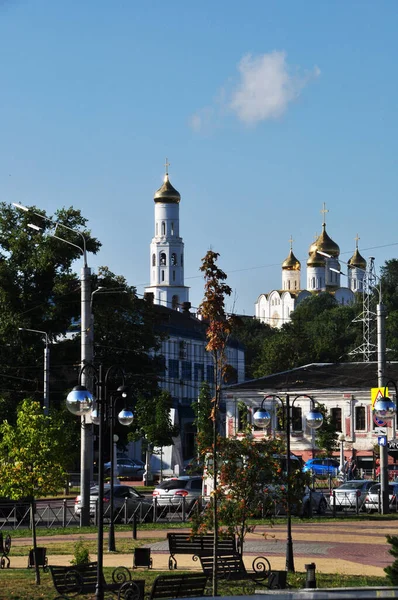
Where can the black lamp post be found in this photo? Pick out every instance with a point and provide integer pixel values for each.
(262, 418)
(385, 409)
(125, 417)
(80, 401)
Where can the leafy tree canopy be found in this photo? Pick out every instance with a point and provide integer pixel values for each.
(33, 454)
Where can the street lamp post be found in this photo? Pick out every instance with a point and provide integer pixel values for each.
(86, 354)
(46, 382)
(385, 409)
(80, 402)
(125, 417)
(341, 438)
(262, 419)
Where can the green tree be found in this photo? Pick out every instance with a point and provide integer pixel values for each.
(32, 458)
(253, 335)
(38, 290)
(326, 437)
(320, 331)
(153, 421)
(244, 469)
(392, 570)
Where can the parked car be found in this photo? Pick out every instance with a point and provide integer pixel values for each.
(172, 491)
(122, 494)
(351, 494)
(311, 498)
(126, 467)
(372, 497)
(322, 466)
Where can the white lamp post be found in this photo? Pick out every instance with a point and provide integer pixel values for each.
(46, 383)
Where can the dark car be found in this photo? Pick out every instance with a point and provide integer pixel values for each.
(126, 467)
(124, 496)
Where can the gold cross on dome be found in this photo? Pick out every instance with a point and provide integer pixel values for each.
(291, 240)
(324, 211)
(357, 238)
(167, 164)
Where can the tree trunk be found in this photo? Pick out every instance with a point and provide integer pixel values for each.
(34, 541)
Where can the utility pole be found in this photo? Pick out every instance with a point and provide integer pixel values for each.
(381, 381)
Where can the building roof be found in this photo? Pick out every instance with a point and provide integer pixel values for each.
(354, 375)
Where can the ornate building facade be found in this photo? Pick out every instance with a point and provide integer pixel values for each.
(323, 275)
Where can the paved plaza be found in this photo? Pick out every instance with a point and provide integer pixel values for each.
(347, 547)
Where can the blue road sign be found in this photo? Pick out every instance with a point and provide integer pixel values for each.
(382, 440)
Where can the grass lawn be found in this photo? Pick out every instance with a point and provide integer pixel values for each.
(19, 584)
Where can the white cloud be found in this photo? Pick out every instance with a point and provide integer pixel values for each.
(265, 88)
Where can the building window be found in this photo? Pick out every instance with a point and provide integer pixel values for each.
(163, 228)
(157, 228)
(243, 416)
(162, 275)
(182, 260)
(198, 372)
(360, 424)
(335, 415)
(186, 370)
(175, 302)
(288, 285)
(154, 260)
(174, 368)
(172, 229)
(161, 365)
(297, 419)
(162, 258)
(174, 275)
(173, 259)
(210, 373)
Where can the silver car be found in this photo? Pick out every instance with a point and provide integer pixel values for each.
(373, 497)
(125, 497)
(173, 491)
(351, 494)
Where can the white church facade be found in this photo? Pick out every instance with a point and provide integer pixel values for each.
(323, 275)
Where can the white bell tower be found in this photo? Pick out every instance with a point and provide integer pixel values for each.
(167, 250)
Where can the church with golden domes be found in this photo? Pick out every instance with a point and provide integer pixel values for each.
(323, 275)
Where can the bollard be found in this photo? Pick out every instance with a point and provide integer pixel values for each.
(310, 579)
(134, 526)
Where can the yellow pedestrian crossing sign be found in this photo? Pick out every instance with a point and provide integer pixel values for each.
(377, 394)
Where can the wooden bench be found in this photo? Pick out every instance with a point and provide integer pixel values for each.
(82, 579)
(179, 586)
(232, 568)
(5, 547)
(197, 545)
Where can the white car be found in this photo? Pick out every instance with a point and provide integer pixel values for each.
(373, 497)
(351, 494)
(172, 492)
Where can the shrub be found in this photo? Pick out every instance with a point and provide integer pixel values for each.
(81, 553)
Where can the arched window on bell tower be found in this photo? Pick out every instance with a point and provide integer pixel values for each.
(162, 258)
(173, 259)
(154, 260)
(163, 228)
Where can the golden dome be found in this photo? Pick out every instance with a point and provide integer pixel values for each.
(167, 193)
(316, 260)
(291, 263)
(325, 244)
(357, 260)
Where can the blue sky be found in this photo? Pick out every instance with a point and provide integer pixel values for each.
(265, 110)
